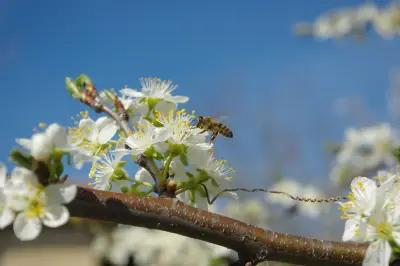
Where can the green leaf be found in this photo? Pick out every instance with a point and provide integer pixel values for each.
(396, 153)
(22, 159)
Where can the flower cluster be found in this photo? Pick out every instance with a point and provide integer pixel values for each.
(363, 152)
(372, 215)
(175, 157)
(28, 203)
(354, 21)
(153, 247)
(35, 191)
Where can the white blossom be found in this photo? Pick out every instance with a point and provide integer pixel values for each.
(386, 22)
(340, 23)
(6, 212)
(203, 168)
(181, 131)
(153, 247)
(36, 204)
(354, 21)
(155, 88)
(109, 169)
(97, 132)
(145, 136)
(363, 151)
(372, 215)
(42, 145)
(250, 211)
(144, 180)
(294, 188)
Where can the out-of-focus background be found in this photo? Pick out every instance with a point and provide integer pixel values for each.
(286, 98)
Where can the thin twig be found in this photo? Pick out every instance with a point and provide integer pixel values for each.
(296, 198)
(121, 123)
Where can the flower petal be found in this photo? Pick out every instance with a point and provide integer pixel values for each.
(23, 175)
(87, 126)
(6, 217)
(354, 230)
(25, 143)
(178, 99)
(378, 254)
(41, 147)
(364, 191)
(55, 216)
(107, 132)
(143, 175)
(131, 93)
(3, 175)
(58, 135)
(26, 228)
(60, 193)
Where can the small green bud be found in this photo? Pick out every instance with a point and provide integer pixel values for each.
(73, 89)
(82, 81)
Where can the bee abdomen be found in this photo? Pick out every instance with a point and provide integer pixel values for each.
(225, 131)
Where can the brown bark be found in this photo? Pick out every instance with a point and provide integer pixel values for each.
(253, 244)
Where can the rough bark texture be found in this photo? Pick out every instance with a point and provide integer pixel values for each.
(253, 244)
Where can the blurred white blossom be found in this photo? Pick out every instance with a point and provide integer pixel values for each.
(42, 145)
(294, 188)
(153, 247)
(250, 211)
(363, 151)
(354, 21)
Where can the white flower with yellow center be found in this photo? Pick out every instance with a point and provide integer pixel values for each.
(37, 204)
(42, 145)
(204, 169)
(155, 89)
(109, 169)
(93, 136)
(145, 136)
(373, 215)
(181, 130)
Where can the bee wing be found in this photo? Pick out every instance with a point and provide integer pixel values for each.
(223, 118)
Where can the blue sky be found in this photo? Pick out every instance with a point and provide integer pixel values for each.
(238, 59)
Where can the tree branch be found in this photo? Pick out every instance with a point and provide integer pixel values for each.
(253, 244)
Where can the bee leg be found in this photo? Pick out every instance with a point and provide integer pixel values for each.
(213, 137)
(205, 130)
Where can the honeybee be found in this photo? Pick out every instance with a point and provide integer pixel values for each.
(214, 127)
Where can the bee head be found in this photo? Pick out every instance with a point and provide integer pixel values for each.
(199, 120)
